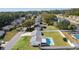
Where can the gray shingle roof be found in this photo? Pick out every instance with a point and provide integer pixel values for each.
(8, 27)
(2, 33)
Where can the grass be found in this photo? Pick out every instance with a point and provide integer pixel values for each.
(24, 44)
(58, 39)
(51, 28)
(9, 35)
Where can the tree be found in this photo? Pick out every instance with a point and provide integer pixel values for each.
(48, 18)
(28, 23)
(65, 39)
(73, 11)
(7, 17)
(72, 27)
(64, 24)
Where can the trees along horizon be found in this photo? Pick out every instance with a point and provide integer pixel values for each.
(7, 17)
(48, 18)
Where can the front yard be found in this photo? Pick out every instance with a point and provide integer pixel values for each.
(9, 35)
(58, 39)
(24, 44)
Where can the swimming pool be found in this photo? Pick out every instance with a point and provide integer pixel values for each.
(76, 36)
(49, 41)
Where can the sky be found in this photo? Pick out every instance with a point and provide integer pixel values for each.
(27, 9)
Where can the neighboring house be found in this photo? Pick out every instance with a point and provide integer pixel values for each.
(60, 16)
(60, 19)
(22, 18)
(14, 23)
(8, 27)
(18, 21)
(74, 18)
(54, 19)
(28, 16)
(2, 33)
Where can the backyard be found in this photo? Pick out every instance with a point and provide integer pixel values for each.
(51, 28)
(24, 44)
(58, 39)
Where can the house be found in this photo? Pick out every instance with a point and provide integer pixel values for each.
(36, 38)
(28, 16)
(77, 18)
(60, 16)
(2, 33)
(74, 18)
(36, 34)
(22, 18)
(17, 21)
(37, 22)
(14, 23)
(8, 27)
(60, 19)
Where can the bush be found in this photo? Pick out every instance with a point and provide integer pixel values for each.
(41, 29)
(50, 23)
(42, 34)
(65, 39)
(30, 29)
(44, 27)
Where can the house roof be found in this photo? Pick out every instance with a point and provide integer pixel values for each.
(36, 34)
(2, 33)
(8, 27)
(13, 23)
(17, 21)
(22, 18)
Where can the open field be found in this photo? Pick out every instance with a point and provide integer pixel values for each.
(58, 39)
(24, 44)
(9, 35)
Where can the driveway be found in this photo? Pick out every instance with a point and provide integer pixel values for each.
(10, 44)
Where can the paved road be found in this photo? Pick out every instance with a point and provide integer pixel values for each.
(10, 44)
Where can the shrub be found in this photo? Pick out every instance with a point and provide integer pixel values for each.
(65, 39)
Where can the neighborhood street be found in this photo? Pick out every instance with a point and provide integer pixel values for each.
(10, 44)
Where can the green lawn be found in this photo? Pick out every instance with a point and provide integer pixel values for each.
(24, 44)
(9, 35)
(58, 39)
(51, 28)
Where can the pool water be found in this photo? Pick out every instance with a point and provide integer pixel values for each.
(49, 41)
(77, 36)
